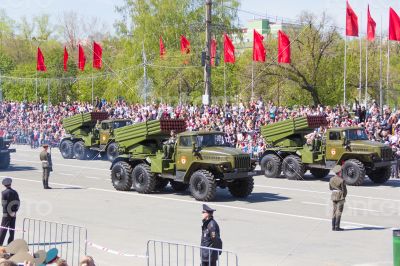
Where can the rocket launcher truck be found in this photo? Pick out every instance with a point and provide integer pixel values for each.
(295, 146)
(200, 161)
(89, 135)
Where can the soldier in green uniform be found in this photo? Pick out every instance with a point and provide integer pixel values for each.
(169, 145)
(339, 193)
(47, 166)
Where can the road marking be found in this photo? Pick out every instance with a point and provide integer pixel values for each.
(325, 205)
(314, 203)
(68, 165)
(52, 183)
(66, 174)
(321, 192)
(93, 177)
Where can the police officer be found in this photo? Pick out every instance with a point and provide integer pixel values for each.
(10, 202)
(210, 237)
(47, 166)
(339, 193)
(169, 145)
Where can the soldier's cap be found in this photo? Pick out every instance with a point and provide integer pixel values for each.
(7, 181)
(45, 145)
(207, 209)
(337, 169)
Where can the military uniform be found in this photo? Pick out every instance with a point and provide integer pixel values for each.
(10, 201)
(47, 166)
(210, 237)
(168, 147)
(338, 197)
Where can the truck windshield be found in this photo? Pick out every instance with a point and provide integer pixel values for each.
(118, 124)
(356, 134)
(210, 140)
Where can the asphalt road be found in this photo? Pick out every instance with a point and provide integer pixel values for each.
(282, 223)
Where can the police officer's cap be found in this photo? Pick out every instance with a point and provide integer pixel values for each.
(7, 181)
(337, 169)
(207, 209)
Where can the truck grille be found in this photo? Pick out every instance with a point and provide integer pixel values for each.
(386, 154)
(242, 162)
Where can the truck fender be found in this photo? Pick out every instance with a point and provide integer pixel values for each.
(210, 166)
(274, 152)
(361, 156)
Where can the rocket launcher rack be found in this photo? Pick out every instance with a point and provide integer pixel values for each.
(150, 130)
(81, 121)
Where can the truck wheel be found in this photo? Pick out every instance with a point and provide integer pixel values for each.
(353, 172)
(202, 185)
(271, 165)
(66, 147)
(241, 188)
(319, 173)
(80, 151)
(178, 186)
(293, 168)
(143, 180)
(161, 183)
(380, 175)
(121, 176)
(112, 151)
(4, 161)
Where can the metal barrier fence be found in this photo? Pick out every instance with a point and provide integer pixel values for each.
(163, 253)
(70, 240)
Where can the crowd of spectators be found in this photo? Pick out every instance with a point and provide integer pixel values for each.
(37, 123)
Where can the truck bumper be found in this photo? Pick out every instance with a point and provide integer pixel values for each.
(239, 175)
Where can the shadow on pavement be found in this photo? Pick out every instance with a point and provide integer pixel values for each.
(14, 168)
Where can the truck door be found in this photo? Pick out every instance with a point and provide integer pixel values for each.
(104, 133)
(184, 153)
(334, 145)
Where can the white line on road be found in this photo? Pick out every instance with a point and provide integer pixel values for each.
(93, 177)
(325, 205)
(68, 165)
(66, 174)
(322, 192)
(314, 203)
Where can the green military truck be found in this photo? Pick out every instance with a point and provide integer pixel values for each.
(90, 134)
(201, 161)
(288, 152)
(5, 153)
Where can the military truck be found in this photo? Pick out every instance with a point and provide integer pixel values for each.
(90, 134)
(289, 153)
(200, 161)
(5, 153)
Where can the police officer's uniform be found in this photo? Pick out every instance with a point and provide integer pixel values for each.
(10, 201)
(339, 193)
(47, 166)
(210, 237)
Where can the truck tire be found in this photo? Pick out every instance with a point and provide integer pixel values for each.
(121, 176)
(353, 172)
(319, 173)
(380, 175)
(161, 183)
(66, 149)
(202, 185)
(293, 168)
(4, 160)
(241, 188)
(80, 151)
(271, 165)
(112, 151)
(178, 186)
(143, 180)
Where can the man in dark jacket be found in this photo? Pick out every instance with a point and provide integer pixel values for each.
(210, 238)
(47, 165)
(339, 193)
(10, 202)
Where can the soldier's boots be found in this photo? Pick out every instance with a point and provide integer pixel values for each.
(337, 225)
(46, 184)
(333, 224)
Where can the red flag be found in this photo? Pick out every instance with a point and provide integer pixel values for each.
(229, 50)
(185, 45)
(394, 26)
(213, 51)
(81, 58)
(65, 59)
(40, 65)
(97, 55)
(370, 27)
(351, 21)
(258, 47)
(283, 48)
(162, 48)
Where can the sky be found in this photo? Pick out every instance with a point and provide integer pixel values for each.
(105, 9)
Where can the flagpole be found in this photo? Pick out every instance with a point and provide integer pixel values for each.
(344, 71)
(388, 72)
(366, 72)
(360, 76)
(380, 72)
(48, 93)
(225, 82)
(252, 80)
(92, 89)
(36, 87)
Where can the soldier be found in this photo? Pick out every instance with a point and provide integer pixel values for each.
(210, 237)
(47, 166)
(10, 201)
(339, 193)
(169, 145)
